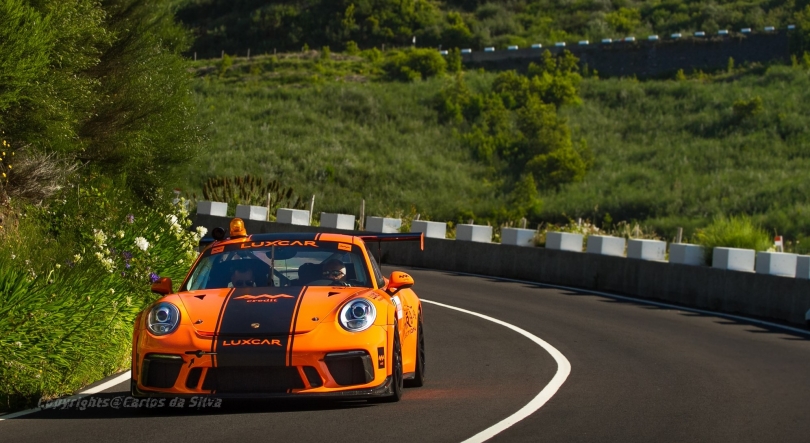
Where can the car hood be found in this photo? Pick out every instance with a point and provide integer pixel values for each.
(263, 311)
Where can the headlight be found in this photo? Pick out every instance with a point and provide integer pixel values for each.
(163, 319)
(357, 315)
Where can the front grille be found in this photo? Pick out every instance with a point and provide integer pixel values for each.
(350, 368)
(252, 379)
(160, 372)
(193, 378)
(313, 377)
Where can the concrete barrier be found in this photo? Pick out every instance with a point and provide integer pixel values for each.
(564, 241)
(297, 217)
(476, 233)
(431, 229)
(247, 212)
(803, 267)
(641, 249)
(605, 245)
(776, 263)
(337, 221)
(750, 294)
(217, 209)
(517, 237)
(383, 225)
(687, 254)
(733, 259)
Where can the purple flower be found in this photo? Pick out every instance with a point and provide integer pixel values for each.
(123, 274)
(127, 265)
(113, 251)
(127, 255)
(153, 277)
(130, 219)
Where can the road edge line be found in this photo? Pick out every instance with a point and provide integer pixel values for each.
(563, 371)
(94, 390)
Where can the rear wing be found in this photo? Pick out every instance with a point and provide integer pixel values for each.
(417, 236)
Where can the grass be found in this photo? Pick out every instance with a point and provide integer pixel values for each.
(72, 280)
(668, 153)
(341, 140)
(674, 154)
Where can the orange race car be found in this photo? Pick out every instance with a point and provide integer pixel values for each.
(273, 315)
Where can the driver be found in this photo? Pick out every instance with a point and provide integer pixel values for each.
(241, 278)
(335, 270)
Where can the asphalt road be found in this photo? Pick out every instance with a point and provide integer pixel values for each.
(639, 374)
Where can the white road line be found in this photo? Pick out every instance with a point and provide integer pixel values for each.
(755, 321)
(94, 390)
(563, 370)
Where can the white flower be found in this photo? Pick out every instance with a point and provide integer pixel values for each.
(99, 237)
(201, 231)
(172, 219)
(141, 243)
(18, 344)
(77, 258)
(13, 257)
(58, 266)
(100, 256)
(120, 234)
(112, 291)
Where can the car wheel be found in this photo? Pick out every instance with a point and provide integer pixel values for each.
(418, 379)
(396, 370)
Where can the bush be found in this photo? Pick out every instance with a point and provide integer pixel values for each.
(733, 232)
(744, 109)
(73, 275)
(414, 64)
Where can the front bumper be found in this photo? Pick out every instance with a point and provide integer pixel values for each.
(324, 362)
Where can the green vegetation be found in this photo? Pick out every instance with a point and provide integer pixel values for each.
(662, 154)
(73, 275)
(679, 153)
(290, 25)
(334, 129)
(733, 232)
(96, 115)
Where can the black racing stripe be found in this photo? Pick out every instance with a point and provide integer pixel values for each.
(219, 321)
(255, 325)
(295, 322)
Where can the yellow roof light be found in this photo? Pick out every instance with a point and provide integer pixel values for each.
(238, 228)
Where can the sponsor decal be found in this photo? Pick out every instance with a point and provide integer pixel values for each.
(255, 325)
(395, 300)
(263, 244)
(217, 250)
(264, 298)
(381, 358)
(252, 342)
(410, 322)
(344, 247)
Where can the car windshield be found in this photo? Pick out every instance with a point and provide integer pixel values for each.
(305, 264)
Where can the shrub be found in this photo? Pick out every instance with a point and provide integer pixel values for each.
(413, 64)
(73, 275)
(744, 109)
(733, 232)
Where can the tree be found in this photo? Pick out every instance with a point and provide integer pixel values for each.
(102, 83)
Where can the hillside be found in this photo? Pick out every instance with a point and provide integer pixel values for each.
(265, 27)
(667, 153)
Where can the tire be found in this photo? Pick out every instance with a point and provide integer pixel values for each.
(419, 376)
(397, 383)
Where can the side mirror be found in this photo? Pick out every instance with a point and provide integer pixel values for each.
(398, 281)
(163, 286)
